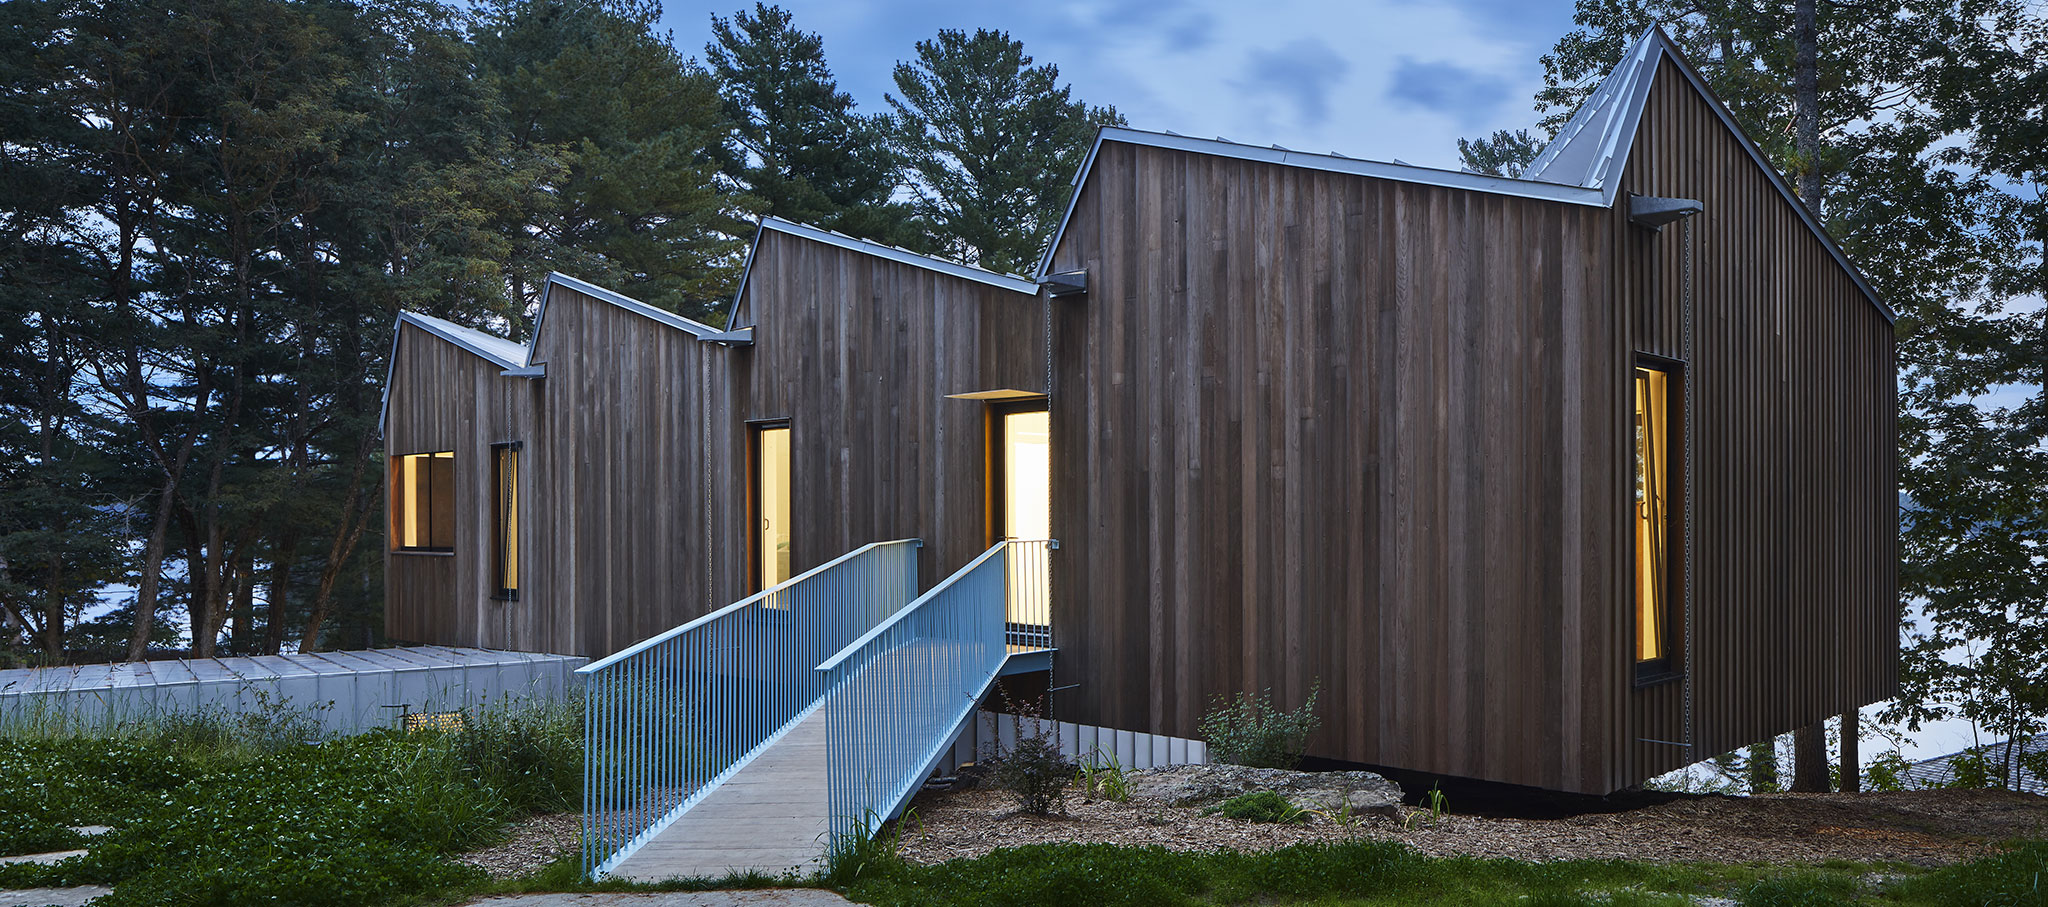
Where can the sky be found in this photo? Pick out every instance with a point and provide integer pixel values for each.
(1380, 79)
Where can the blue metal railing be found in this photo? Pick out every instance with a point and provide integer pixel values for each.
(669, 718)
(902, 692)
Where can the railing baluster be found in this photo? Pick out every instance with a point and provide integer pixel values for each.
(667, 718)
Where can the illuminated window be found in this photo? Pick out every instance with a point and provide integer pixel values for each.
(1023, 460)
(505, 518)
(771, 494)
(423, 502)
(1655, 512)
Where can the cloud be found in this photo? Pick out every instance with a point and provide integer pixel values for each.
(1302, 72)
(1446, 88)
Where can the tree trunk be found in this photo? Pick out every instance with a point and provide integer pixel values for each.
(355, 514)
(1852, 757)
(1806, 100)
(242, 639)
(1810, 759)
(153, 564)
(282, 555)
(1763, 767)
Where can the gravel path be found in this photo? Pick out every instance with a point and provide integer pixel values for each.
(1929, 828)
(534, 842)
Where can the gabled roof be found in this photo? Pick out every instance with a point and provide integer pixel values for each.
(1582, 166)
(880, 250)
(505, 353)
(557, 279)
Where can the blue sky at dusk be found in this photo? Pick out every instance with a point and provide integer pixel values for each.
(1379, 79)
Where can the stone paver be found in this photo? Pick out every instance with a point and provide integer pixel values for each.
(53, 897)
(765, 897)
(44, 859)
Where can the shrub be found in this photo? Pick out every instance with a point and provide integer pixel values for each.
(1252, 731)
(1035, 774)
(1262, 806)
(531, 756)
(1886, 773)
(1102, 776)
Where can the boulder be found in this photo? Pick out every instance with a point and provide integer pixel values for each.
(1328, 792)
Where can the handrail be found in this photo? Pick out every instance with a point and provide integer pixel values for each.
(906, 611)
(668, 720)
(666, 635)
(898, 695)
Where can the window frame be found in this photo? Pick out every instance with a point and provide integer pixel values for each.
(395, 529)
(1671, 665)
(752, 479)
(997, 471)
(504, 539)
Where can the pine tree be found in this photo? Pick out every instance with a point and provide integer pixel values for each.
(990, 144)
(797, 145)
(637, 131)
(1505, 153)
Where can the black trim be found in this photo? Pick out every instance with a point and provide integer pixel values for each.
(1672, 666)
(997, 470)
(504, 545)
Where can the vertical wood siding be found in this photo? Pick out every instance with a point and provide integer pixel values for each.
(634, 467)
(1321, 428)
(1796, 508)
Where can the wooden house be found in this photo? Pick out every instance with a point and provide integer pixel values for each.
(1563, 481)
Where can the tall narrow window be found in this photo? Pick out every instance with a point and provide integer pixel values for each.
(1023, 461)
(771, 500)
(1655, 519)
(423, 501)
(505, 518)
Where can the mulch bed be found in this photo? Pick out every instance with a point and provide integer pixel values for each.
(1927, 828)
(534, 842)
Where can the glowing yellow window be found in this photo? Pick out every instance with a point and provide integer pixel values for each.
(771, 504)
(505, 518)
(1653, 510)
(423, 501)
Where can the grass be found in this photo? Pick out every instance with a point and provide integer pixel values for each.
(207, 809)
(211, 811)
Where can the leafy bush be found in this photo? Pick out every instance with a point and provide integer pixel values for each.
(1886, 773)
(208, 811)
(1262, 806)
(1252, 731)
(532, 757)
(1035, 773)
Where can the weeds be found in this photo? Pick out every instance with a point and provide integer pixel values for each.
(1433, 804)
(865, 849)
(1103, 777)
(1261, 806)
(1252, 731)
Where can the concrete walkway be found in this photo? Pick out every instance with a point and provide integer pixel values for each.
(768, 817)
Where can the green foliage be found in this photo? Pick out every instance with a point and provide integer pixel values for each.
(1505, 153)
(532, 757)
(1261, 806)
(208, 811)
(864, 850)
(1103, 777)
(2015, 877)
(990, 143)
(1887, 772)
(1351, 872)
(1034, 772)
(1252, 731)
(797, 144)
(1807, 889)
(1970, 770)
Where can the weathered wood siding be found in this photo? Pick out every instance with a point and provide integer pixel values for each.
(1320, 428)
(859, 353)
(443, 397)
(634, 469)
(1795, 507)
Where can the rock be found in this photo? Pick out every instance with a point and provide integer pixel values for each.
(1327, 792)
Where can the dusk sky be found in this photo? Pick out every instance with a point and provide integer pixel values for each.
(1380, 79)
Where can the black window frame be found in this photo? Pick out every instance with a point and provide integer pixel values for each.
(504, 543)
(1672, 665)
(998, 471)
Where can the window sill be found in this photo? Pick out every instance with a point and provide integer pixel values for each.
(1658, 679)
(421, 552)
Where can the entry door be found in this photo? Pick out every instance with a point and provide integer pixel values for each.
(1022, 487)
(771, 505)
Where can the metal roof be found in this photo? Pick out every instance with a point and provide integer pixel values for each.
(1582, 166)
(880, 250)
(505, 353)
